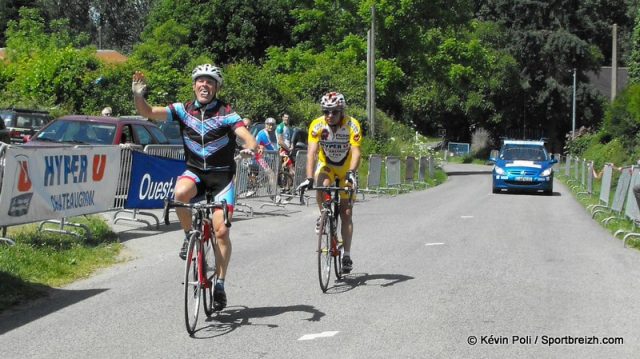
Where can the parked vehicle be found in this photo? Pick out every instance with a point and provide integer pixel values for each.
(171, 129)
(98, 130)
(4, 133)
(523, 165)
(23, 123)
(255, 128)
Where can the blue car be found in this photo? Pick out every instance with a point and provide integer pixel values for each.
(523, 166)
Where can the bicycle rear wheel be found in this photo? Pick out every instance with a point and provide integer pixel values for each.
(209, 271)
(324, 252)
(192, 288)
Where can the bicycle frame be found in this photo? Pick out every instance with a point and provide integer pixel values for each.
(197, 284)
(329, 245)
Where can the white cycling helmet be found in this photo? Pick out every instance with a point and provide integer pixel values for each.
(207, 70)
(333, 101)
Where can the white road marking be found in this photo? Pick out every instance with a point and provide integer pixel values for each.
(434, 244)
(318, 335)
(466, 217)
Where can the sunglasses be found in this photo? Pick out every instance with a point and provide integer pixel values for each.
(334, 112)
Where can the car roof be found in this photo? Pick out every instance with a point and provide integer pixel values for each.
(12, 109)
(103, 119)
(524, 142)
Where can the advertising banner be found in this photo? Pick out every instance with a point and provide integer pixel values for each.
(41, 183)
(152, 179)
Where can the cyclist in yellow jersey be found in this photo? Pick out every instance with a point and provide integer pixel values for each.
(336, 138)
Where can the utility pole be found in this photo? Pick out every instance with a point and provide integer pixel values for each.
(614, 62)
(371, 73)
(573, 107)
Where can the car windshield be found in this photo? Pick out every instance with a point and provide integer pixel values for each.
(525, 153)
(79, 132)
(32, 120)
(171, 130)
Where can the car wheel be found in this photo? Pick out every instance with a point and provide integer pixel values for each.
(495, 190)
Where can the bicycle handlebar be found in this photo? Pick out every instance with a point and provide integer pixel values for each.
(199, 206)
(350, 190)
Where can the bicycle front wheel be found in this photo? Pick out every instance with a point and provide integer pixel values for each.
(192, 288)
(209, 271)
(324, 252)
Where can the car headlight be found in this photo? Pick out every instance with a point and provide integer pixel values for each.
(499, 171)
(546, 173)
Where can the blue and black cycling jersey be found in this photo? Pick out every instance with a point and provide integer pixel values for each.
(208, 134)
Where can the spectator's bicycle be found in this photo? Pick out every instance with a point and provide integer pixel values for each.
(200, 266)
(329, 245)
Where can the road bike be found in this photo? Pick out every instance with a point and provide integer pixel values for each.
(329, 245)
(200, 273)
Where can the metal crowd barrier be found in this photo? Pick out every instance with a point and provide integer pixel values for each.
(300, 168)
(3, 150)
(124, 179)
(175, 152)
(605, 189)
(581, 175)
(393, 167)
(589, 179)
(409, 172)
(257, 178)
(576, 169)
(631, 211)
(423, 163)
(618, 197)
(432, 165)
(567, 166)
(373, 175)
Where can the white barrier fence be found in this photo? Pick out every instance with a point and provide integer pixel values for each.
(50, 184)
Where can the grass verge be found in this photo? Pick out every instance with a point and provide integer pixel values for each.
(42, 260)
(618, 222)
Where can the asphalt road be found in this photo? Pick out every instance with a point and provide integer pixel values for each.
(434, 271)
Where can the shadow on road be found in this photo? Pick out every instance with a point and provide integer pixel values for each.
(52, 301)
(468, 173)
(353, 280)
(232, 318)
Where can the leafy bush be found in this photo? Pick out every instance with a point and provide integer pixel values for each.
(582, 141)
(481, 143)
(613, 152)
(622, 119)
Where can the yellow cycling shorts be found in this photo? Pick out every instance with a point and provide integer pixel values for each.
(325, 171)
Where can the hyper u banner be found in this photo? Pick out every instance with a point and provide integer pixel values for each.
(152, 179)
(41, 183)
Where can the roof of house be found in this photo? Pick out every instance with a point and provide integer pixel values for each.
(106, 56)
(111, 56)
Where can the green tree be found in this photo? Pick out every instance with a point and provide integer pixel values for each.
(466, 85)
(231, 30)
(634, 63)
(323, 23)
(549, 39)
(9, 11)
(45, 69)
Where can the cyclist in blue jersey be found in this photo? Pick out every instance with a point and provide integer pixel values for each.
(266, 138)
(209, 128)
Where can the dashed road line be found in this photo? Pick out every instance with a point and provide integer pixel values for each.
(318, 335)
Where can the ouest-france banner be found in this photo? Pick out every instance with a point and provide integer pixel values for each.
(41, 183)
(153, 179)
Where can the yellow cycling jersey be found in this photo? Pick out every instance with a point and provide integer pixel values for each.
(335, 147)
